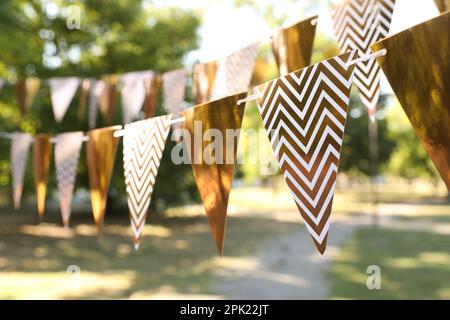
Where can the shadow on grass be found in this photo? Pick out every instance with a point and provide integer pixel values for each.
(176, 253)
(414, 265)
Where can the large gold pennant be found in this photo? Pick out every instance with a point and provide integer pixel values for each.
(417, 66)
(443, 5)
(101, 153)
(292, 46)
(214, 175)
(203, 81)
(41, 163)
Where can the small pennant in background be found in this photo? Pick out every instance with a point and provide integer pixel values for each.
(134, 92)
(19, 154)
(2, 82)
(151, 96)
(101, 153)
(357, 25)
(143, 145)
(423, 49)
(84, 96)
(42, 149)
(96, 91)
(67, 153)
(174, 85)
(203, 81)
(107, 99)
(443, 5)
(62, 91)
(292, 46)
(26, 90)
(235, 71)
(304, 114)
(214, 177)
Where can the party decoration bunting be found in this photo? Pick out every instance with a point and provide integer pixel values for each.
(67, 153)
(424, 95)
(304, 114)
(357, 25)
(174, 84)
(83, 101)
(101, 153)
(143, 145)
(292, 46)
(62, 91)
(203, 81)
(107, 99)
(42, 149)
(19, 154)
(235, 71)
(97, 87)
(26, 90)
(133, 93)
(443, 5)
(214, 175)
(151, 96)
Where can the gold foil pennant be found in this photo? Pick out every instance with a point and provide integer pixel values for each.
(214, 172)
(42, 149)
(203, 81)
(417, 66)
(292, 46)
(26, 90)
(443, 5)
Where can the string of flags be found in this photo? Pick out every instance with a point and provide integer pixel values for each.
(304, 112)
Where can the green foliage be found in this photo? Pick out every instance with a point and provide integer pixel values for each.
(115, 37)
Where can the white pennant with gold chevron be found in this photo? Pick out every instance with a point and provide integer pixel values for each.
(62, 91)
(143, 145)
(235, 71)
(20, 147)
(67, 153)
(304, 114)
(358, 24)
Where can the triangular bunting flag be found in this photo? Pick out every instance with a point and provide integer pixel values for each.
(304, 114)
(96, 91)
(417, 66)
(26, 90)
(101, 153)
(19, 154)
(292, 46)
(62, 91)
(42, 149)
(214, 174)
(235, 71)
(203, 81)
(442, 5)
(67, 153)
(133, 93)
(84, 96)
(107, 99)
(358, 24)
(151, 96)
(143, 145)
(174, 84)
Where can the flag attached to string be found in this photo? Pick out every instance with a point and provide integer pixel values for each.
(101, 152)
(235, 71)
(84, 96)
(107, 100)
(358, 24)
(26, 90)
(143, 146)
(96, 91)
(151, 96)
(213, 163)
(304, 114)
(417, 66)
(442, 5)
(62, 91)
(203, 81)
(42, 149)
(174, 85)
(19, 154)
(134, 88)
(292, 47)
(67, 153)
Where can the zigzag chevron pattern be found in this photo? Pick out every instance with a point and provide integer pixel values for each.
(143, 145)
(357, 25)
(20, 147)
(304, 114)
(67, 153)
